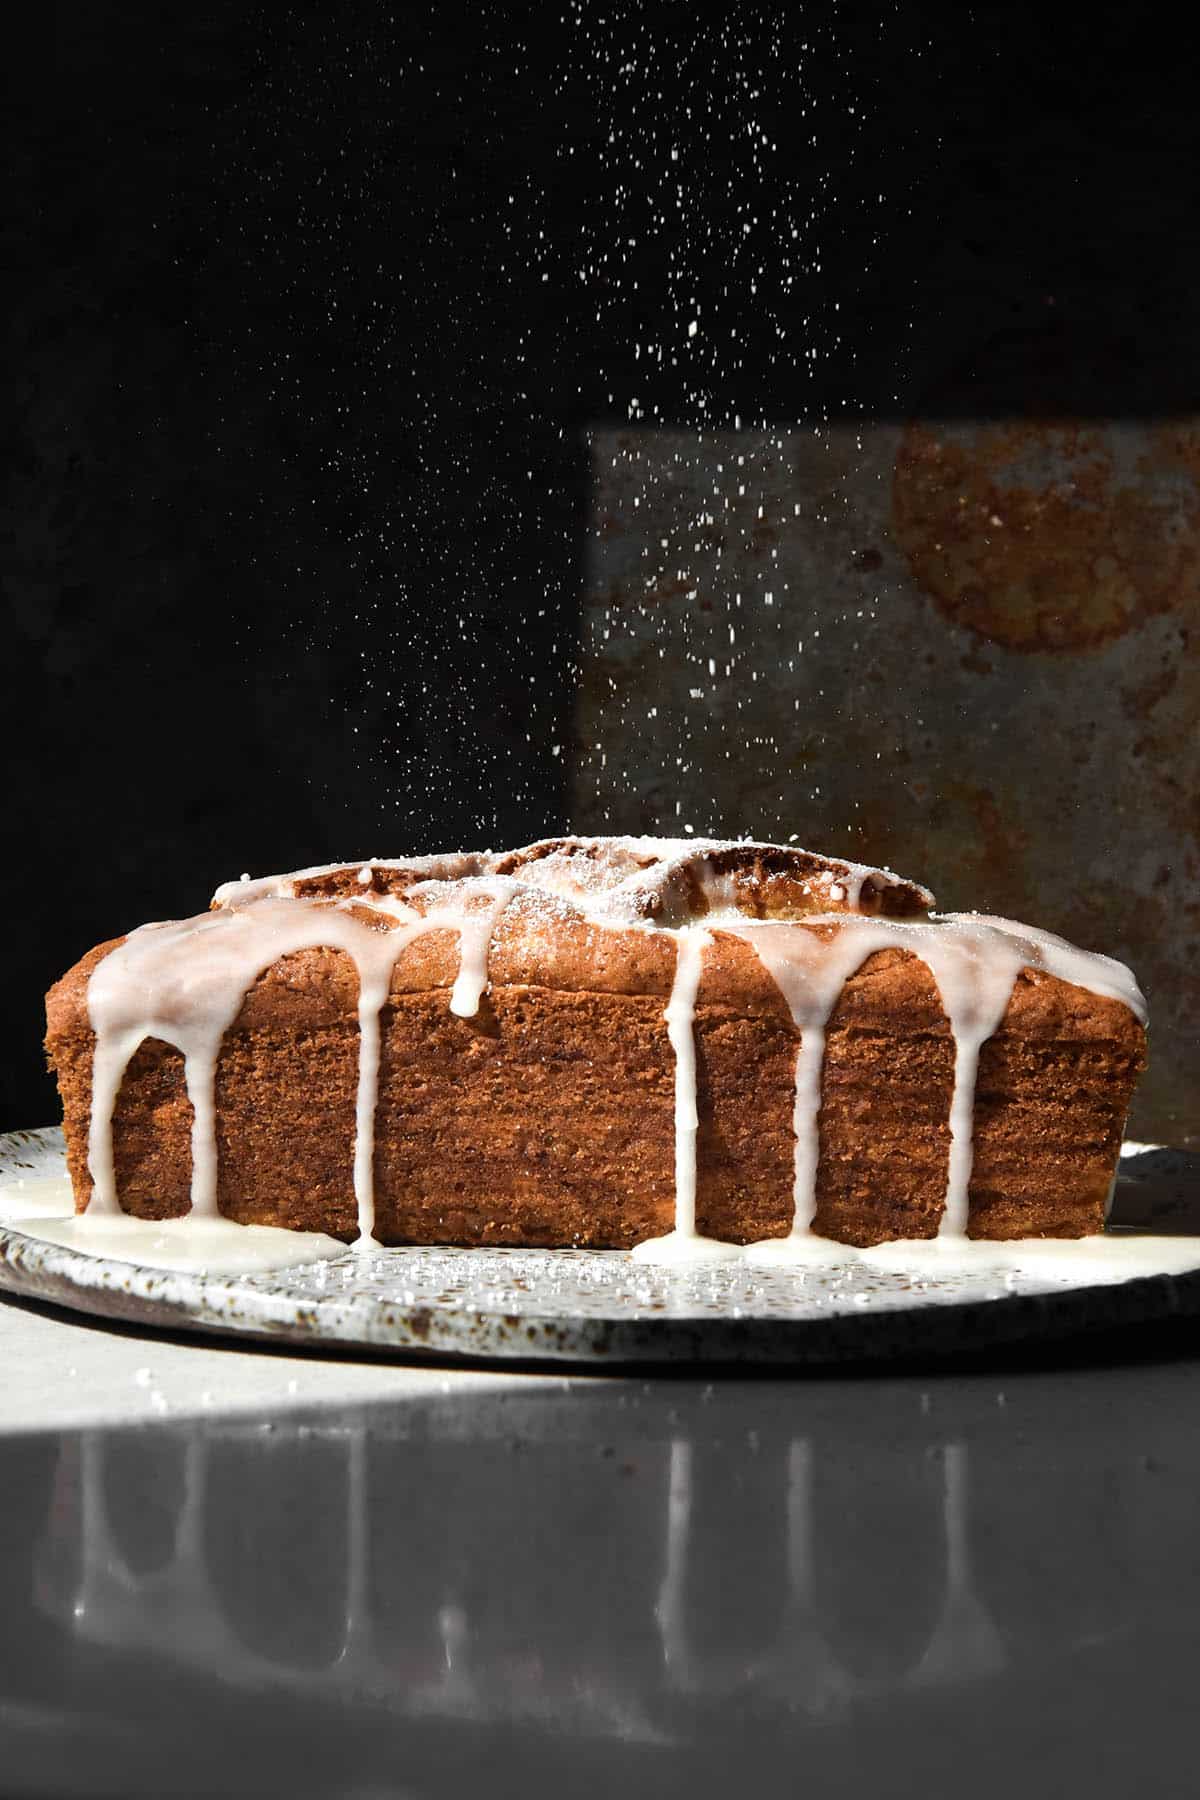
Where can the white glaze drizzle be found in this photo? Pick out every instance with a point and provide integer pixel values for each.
(680, 1015)
(810, 972)
(373, 984)
(475, 941)
(184, 983)
(1088, 969)
(684, 1243)
(974, 960)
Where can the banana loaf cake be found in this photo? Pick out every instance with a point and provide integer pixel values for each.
(594, 1042)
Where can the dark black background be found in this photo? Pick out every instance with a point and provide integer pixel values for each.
(301, 356)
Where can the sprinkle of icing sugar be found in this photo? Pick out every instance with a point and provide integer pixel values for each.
(457, 866)
(619, 879)
(185, 982)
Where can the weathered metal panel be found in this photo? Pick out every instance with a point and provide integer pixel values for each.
(962, 649)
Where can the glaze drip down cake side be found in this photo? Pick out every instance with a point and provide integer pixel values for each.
(596, 1042)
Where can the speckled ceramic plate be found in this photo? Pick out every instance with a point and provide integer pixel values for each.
(600, 1308)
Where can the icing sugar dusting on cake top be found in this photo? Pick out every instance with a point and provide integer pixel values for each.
(626, 880)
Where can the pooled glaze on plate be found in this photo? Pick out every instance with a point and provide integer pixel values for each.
(603, 1308)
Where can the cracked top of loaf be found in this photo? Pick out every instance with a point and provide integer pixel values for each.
(621, 880)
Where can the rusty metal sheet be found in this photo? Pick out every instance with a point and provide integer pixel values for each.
(962, 649)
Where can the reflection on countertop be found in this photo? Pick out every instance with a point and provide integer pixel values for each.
(668, 1585)
(605, 1562)
(331, 1552)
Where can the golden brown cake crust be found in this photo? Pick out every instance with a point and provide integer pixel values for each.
(548, 1118)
